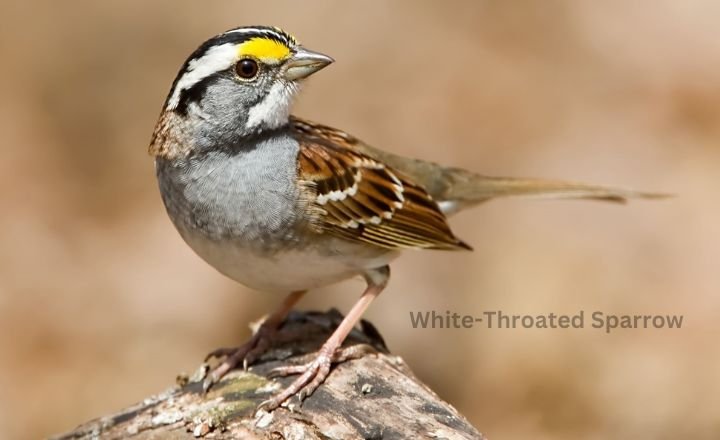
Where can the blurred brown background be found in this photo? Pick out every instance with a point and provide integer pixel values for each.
(101, 303)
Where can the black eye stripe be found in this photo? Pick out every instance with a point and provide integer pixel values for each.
(193, 94)
(197, 91)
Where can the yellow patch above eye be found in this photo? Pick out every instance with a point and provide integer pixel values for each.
(265, 49)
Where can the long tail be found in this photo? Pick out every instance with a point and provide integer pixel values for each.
(456, 189)
(465, 189)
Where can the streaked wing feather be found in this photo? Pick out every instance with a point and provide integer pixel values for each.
(362, 199)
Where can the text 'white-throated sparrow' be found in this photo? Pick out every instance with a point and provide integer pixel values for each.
(282, 204)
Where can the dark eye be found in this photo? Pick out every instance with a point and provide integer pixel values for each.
(246, 68)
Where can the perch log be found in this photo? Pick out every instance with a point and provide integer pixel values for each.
(374, 396)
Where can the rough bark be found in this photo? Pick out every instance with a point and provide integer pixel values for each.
(375, 396)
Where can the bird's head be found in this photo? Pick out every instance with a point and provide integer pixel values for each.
(240, 83)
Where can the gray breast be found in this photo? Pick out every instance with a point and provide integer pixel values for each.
(248, 193)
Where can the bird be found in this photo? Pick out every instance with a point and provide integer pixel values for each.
(281, 204)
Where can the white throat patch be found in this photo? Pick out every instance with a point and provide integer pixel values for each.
(274, 110)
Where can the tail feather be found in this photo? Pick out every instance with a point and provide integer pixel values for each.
(466, 189)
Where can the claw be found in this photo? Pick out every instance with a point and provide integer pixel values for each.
(312, 374)
(210, 380)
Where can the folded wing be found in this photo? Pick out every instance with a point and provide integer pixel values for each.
(362, 199)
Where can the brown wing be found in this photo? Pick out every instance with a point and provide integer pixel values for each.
(360, 198)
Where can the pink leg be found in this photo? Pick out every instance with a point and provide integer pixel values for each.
(314, 373)
(258, 343)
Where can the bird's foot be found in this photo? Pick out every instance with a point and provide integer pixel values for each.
(313, 373)
(245, 355)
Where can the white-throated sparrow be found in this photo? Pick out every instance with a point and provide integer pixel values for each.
(278, 203)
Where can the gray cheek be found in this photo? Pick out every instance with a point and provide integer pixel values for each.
(221, 115)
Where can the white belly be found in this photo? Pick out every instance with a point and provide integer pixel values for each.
(291, 269)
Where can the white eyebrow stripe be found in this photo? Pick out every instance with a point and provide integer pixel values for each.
(216, 59)
(243, 31)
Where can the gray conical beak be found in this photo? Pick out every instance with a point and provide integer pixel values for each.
(304, 63)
